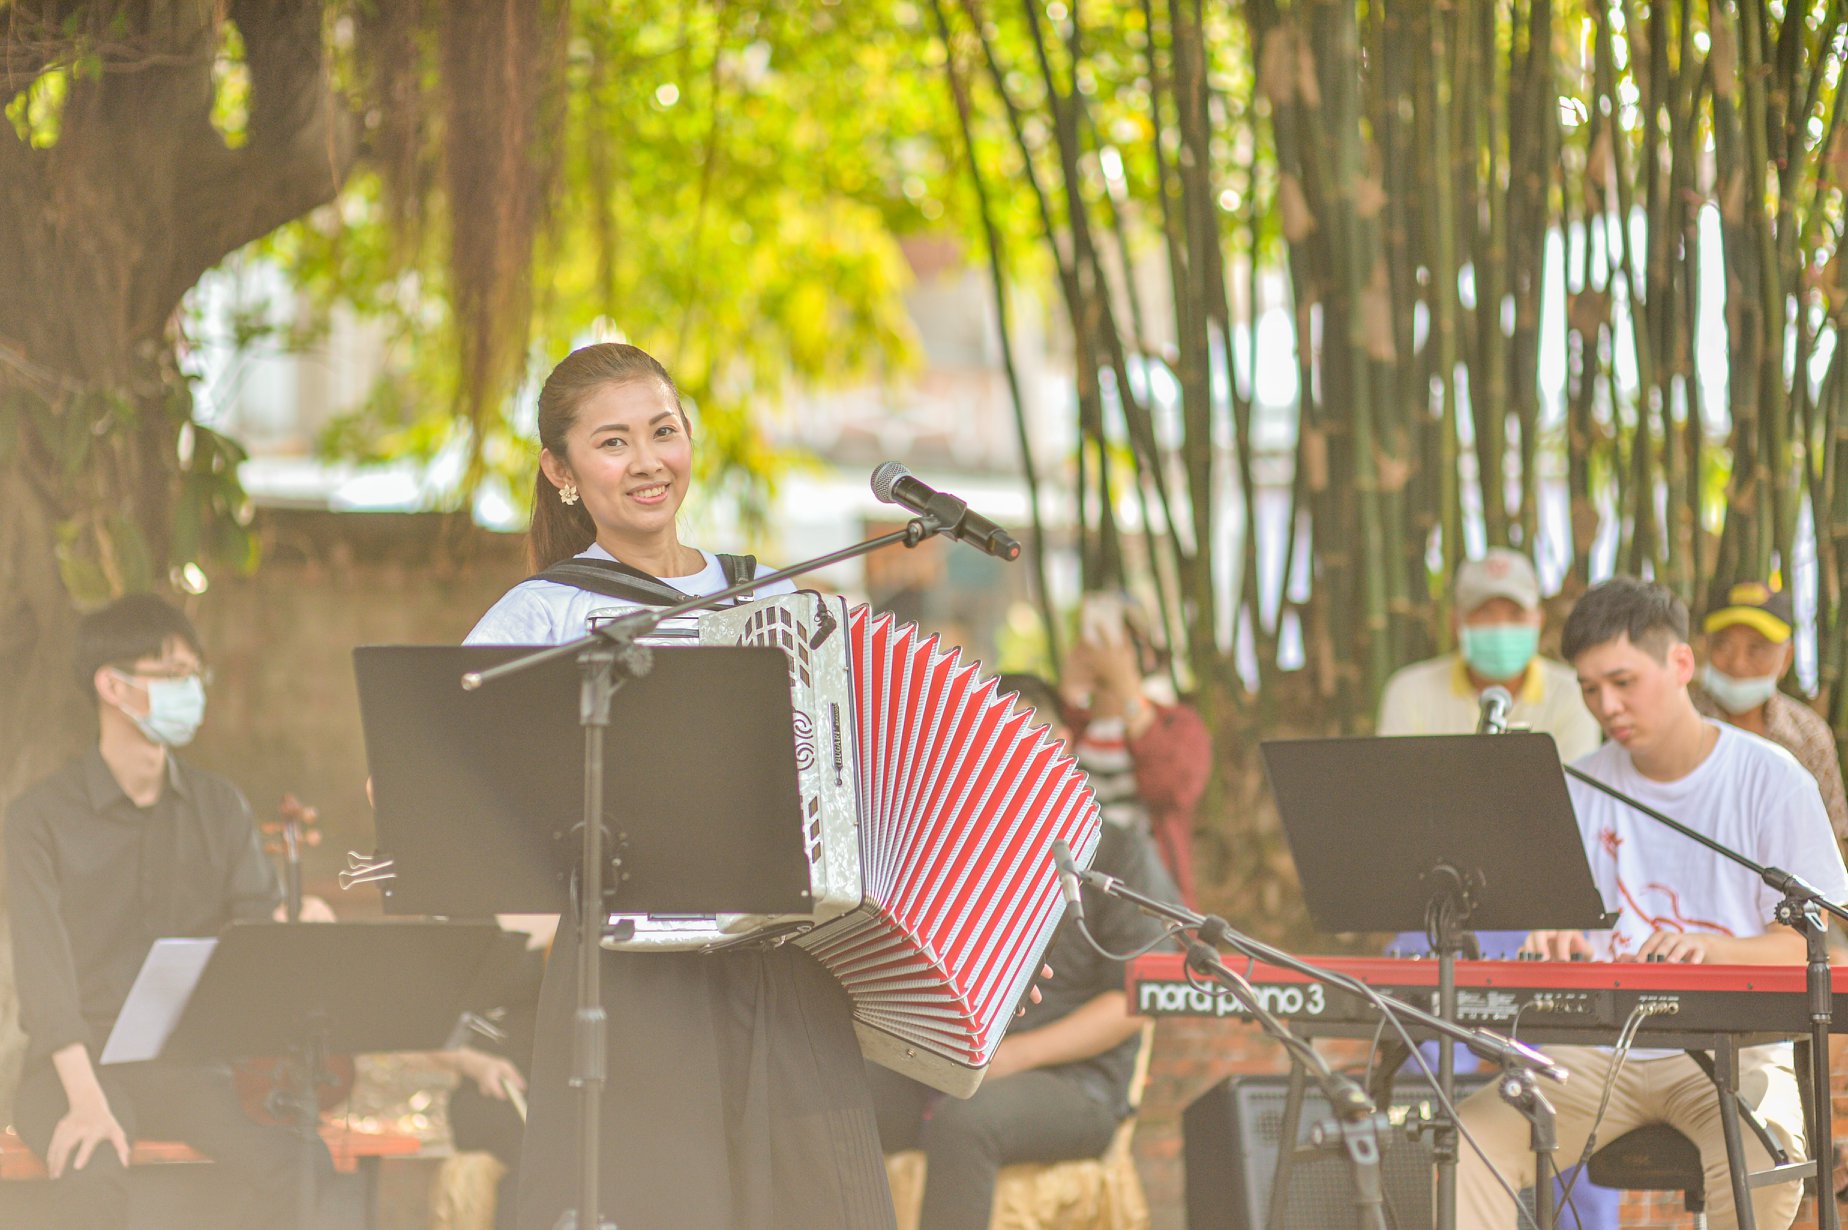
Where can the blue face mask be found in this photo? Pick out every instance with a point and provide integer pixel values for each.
(1500, 651)
(176, 710)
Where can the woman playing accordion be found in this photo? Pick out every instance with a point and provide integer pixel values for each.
(737, 1098)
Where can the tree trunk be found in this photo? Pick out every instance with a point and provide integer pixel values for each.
(111, 224)
(43, 719)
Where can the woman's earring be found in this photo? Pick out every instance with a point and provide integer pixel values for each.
(567, 494)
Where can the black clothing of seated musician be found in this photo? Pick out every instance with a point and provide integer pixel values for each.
(1059, 1082)
(737, 1099)
(125, 845)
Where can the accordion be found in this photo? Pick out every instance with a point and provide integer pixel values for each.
(929, 812)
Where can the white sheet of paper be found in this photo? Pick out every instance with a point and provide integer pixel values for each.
(154, 1003)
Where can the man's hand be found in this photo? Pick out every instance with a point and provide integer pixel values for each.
(84, 1127)
(1674, 946)
(1557, 945)
(493, 1074)
(314, 909)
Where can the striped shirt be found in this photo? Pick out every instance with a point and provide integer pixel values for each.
(1103, 753)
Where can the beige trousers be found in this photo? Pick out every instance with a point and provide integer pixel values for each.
(1670, 1090)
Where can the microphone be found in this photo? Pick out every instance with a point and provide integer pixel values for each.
(1495, 702)
(893, 484)
(1068, 878)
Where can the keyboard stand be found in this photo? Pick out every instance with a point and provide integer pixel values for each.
(1717, 1054)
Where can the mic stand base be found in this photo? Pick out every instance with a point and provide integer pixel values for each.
(1519, 1089)
(1358, 1132)
(1355, 1133)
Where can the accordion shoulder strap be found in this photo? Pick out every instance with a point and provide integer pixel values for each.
(738, 568)
(614, 579)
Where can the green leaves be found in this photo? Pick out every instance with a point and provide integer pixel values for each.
(727, 184)
(211, 522)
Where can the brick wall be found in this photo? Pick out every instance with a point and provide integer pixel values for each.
(283, 715)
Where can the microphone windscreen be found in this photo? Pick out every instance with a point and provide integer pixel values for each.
(885, 480)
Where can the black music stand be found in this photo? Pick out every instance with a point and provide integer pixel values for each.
(1441, 834)
(316, 990)
(479, 796)
(482, 796)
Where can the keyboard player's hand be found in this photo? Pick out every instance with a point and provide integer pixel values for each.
(1558, 945)
(1673, 946)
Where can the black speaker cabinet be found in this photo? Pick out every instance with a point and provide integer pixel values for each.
(1230, 1135)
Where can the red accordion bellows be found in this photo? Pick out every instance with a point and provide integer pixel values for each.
(961, 800)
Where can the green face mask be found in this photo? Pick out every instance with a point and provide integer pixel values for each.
(1500, 651)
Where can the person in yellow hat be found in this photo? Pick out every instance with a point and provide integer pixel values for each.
(1747, 648)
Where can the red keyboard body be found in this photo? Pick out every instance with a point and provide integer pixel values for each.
(1557, 999)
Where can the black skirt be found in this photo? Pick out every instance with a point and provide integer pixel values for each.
(737, 1098)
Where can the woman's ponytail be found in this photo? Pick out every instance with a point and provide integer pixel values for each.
(559, 530)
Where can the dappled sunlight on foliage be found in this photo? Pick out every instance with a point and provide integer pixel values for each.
(729, 186)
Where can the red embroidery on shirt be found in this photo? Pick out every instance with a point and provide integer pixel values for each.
(1673, 920)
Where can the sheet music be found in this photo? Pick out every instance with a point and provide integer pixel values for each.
(154, 1003)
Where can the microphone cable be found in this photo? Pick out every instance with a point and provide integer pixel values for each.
(1171, 932)
(1446, 1104)
(1373, 997)
(1626, 1038)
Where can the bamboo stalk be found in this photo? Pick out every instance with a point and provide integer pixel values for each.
(997, 278)
(1533, 145)
(1444, 312)
(1773, 536)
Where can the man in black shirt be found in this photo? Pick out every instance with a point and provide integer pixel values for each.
(1059, 1082)
(123, 846)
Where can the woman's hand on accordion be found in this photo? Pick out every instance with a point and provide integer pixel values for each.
(1033, 992)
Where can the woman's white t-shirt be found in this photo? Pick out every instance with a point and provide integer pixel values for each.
(538, 612)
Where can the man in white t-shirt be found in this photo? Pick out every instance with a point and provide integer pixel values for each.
(1498, 621)
(1675, 900)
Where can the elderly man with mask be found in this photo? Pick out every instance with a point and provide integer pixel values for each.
(1498, 634)
(1498, 618)
(1749, 647)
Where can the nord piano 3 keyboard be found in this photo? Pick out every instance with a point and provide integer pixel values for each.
(1561, 1001)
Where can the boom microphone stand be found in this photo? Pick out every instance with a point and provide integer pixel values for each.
(1436, 865)
(1802, 910)
(608, 657)
(1359, 1121)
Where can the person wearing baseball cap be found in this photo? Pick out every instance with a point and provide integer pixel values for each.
(1748, 646)
(1497, 620)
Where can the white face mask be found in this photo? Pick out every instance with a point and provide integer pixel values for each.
(176, 709)
(1737, 696)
